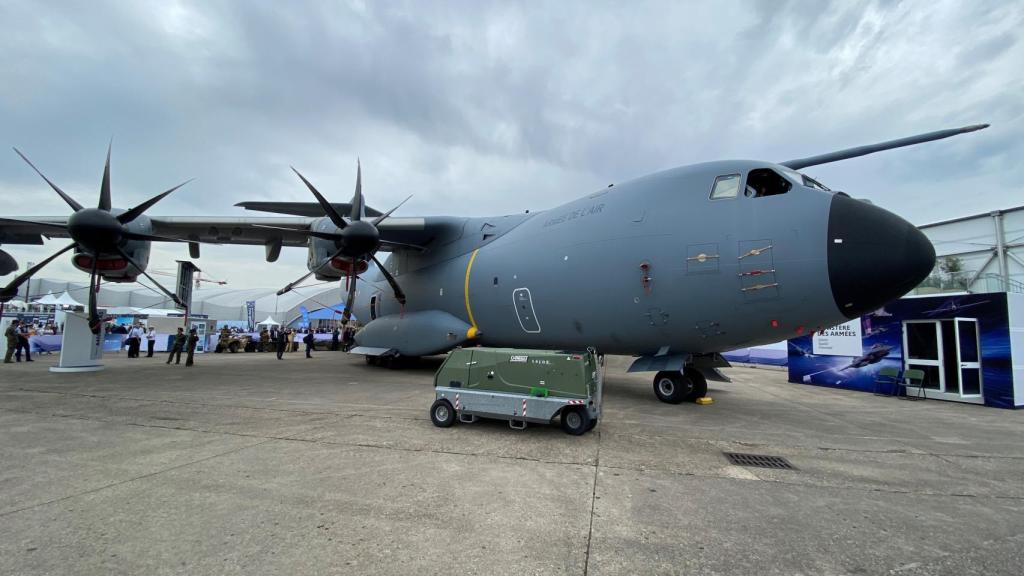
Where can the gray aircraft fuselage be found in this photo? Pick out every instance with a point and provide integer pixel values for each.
(655, 266)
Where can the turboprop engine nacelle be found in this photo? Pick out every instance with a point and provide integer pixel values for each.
(112, 266)
(319, 260)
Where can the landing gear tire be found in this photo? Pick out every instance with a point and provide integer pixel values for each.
(575, 421)
(679, 387)
(442, 414)
(700, 384)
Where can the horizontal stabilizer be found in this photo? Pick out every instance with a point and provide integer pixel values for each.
(301, 208)
(881, 146)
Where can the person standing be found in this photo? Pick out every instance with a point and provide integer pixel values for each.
(281, 342)
(150, 341)
(23, 335)
(193, 339)
(334, 339)
(12, 341)
(308, 339)
(134, 341)
(176, 346)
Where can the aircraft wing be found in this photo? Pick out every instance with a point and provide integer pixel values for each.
(398, 233)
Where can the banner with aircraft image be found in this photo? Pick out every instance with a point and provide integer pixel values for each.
(837, 358)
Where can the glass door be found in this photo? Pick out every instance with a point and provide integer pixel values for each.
(922, 350)
(968, 352)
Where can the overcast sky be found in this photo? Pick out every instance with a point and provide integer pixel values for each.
(494, 107)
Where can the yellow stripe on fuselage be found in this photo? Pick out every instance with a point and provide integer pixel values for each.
(469, 268)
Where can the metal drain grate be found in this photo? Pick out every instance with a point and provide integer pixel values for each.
(759, 461)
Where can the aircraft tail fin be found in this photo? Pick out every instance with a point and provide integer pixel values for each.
(881, 146)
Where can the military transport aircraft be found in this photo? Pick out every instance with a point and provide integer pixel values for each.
(673, 268)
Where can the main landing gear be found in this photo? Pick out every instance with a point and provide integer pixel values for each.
(679, 387)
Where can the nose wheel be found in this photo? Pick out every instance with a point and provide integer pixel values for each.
(679, 387)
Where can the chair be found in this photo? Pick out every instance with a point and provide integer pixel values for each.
(888, 376)
(914, 377)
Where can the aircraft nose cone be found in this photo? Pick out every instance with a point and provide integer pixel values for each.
(874, 256)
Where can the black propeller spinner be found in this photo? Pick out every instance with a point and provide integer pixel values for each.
(95, 231)
(358, 240)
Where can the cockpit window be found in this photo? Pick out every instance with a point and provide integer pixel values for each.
(766, 182)
(726, 187)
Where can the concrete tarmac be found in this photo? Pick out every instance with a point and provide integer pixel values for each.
(245, 464)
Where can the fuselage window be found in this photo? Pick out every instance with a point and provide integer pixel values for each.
(725, 187)
(766, 182)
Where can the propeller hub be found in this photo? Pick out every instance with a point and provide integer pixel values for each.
(360, 238)
(95, 230)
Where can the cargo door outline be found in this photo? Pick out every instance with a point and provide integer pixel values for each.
(523, 303)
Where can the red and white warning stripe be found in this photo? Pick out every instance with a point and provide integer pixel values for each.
(456, 401)
(524, 407)
(576, 402)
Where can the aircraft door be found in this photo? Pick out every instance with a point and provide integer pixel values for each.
(523, 302)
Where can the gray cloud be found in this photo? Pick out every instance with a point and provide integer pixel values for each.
(495, 107)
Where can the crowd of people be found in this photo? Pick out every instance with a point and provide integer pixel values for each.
(18, 335)
(271, 339)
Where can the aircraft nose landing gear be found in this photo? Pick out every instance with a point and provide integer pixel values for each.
(678, 387)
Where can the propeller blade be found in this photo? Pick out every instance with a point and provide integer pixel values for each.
(358, 207)
(71, 201)
(171, 295)
(313, 233)
(328, 209)
(11, 290)
(137, 211)
(346, 314)
(399, 295)
(17, 221)
(381, 218)
(289, 287)
(393, 244)
(94, 286)
(105, 186)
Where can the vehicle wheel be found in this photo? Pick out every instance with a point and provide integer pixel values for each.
(593, 423)
(218, 349)
(442, 414)
(575, 420)
(233, 347)
(672, 387)
(371, 360)
(700, 384)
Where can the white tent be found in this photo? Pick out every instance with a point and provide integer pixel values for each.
(48, 300)
(269, 321)
(66, 300)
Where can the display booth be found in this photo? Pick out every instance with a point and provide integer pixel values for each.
(963, 346)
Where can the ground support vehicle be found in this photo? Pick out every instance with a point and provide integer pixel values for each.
(520, 386)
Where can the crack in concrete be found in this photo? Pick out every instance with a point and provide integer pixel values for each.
(593, 504)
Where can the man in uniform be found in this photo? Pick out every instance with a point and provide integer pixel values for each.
(334, 339)
(150, 341)
(12, 341)
(193, 339)
(224, 339)
(176, 347)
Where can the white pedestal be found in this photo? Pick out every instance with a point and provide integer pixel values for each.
(80, 349)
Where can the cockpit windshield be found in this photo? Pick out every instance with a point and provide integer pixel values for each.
(804, 179)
